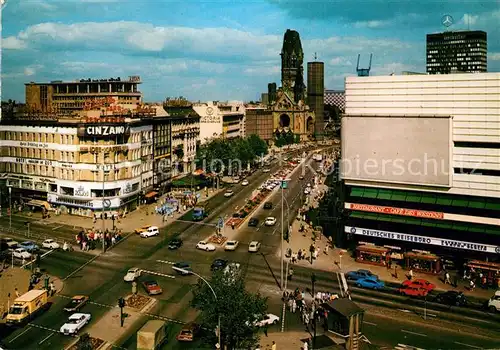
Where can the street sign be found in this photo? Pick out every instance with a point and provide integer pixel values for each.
(284, 184)
(220, 223)
(106, 203)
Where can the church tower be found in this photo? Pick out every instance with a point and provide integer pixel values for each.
(292, 69)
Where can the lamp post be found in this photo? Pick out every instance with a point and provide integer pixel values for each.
(284, 184)
(184, 271)
(103, 207)
(10, 208)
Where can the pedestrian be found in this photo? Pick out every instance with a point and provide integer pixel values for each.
(52, 288)
(294, 306)
(290, 274)
(305, 346)
(447, 278)
(17, 293)
(290, 304)
(410, 274)
(265, 330)
(273, 347)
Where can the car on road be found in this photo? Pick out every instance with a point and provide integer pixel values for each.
(188, 332)
(184, 266)
(228, 193)
(270, 221)
(174, 244)
(132, 274)
(203, 245)
(358, 274)
(76, 303)
(141, 229)
(266, 170)
(254, 247)
(307, 190)
(301, 177)
(218, 264)
(494, 302)
(413, 291)
(21, 253)
(231, 245)
(30, 246)
(268, 205)
(420, 283)
(370, 283)
(452, 298)
(50, 244)
(152, 287)
(253, 222)
(10, 243)
(244, 183)
(150, 232)
(268, 320)
(74, 323)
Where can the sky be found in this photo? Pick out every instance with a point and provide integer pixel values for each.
(222, 49)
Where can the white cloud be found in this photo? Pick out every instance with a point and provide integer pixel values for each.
(340, 61)
(209, 83)
(494, 56)
(265, 71)
(469, 20)
(13, 43)
(372, 24)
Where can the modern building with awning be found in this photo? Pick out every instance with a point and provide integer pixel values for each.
(421, 168)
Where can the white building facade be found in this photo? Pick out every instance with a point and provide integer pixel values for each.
(421, 163)
(221, 119)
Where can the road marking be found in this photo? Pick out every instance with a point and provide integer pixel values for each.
(414, 333)
(158, 274)
(57, 227)
(370, 323)
(165, 262)
(404, 310)
(41, 257)
(406, 347)
(470, 346)
(81, 267)
(47, 337)
(20, 334)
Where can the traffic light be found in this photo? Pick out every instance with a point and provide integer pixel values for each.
(286, 236)
(121, 302)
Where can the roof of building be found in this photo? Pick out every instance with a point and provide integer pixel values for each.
(131, 79)
(344, 307)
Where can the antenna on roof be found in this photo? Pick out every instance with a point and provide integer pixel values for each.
(315, 56)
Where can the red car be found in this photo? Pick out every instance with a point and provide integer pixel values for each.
(413, 291)
(420, 283)
(152, 287)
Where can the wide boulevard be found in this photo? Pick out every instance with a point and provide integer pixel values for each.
(390, 320)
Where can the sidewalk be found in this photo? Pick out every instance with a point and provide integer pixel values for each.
(294, 340)
(339, 260)
(144, 215)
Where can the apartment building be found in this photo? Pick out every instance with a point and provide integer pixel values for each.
(221, 119)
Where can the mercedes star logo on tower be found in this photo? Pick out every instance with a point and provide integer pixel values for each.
(447, 20)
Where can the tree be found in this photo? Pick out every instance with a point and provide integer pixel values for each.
(85, 342)
(237, 308)
(258, 145)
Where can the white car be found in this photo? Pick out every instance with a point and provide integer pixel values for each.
(270, 221)
(50, 244)
(266, 170)
(254, 247)
(202, 245)
(150, 232)
(231, 245)
(494, 302)
(132, 274)
(21, 253)
(307, 190)
(244, 183)
(75, 323)
(228, 193)
(269, 319)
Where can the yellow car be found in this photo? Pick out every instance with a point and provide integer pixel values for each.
(142, 229)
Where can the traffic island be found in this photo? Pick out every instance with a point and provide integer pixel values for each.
(137, 301)
(87, 342)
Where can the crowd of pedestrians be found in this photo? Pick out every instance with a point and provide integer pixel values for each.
(90, 239)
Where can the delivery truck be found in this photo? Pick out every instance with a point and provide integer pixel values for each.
(152, 335)
(27, 307)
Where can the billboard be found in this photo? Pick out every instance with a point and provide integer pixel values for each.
(396, 211)
(103, 130)
(399, 149)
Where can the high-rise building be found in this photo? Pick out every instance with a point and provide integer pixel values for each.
(457, 52)
(292, 69)
(316, 94)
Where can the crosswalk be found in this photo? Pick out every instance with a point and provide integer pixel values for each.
(406, 347)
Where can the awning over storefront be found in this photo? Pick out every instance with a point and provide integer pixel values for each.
(39, 203)
(151, 194)
(426, 198)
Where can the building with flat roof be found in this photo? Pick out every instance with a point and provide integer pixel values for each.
(421, 166)
(221, 119)
(457, 52)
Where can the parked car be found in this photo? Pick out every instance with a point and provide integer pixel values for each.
(270, 221)
(370, 283)
(413, 291)
(50, 244)
(142, 229)
(268, 205)
(132, 274)
(21, 253)
(244, 183)
(152, 287)
(202, 245)
(268, 319)
(228, 193)
(254, 246)
(150, 232)
(176, 243)
(76, 303)
(452, 297)
(420, 283)
(218, 264)
(253, 222)
(30, 246)
(494, 302)
(188, 332)
(356, 275)
(184, 266)
(231, 245)
(75, 323)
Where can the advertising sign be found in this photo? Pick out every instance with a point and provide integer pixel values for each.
(100, 130)
(395, 211)
(405, 237)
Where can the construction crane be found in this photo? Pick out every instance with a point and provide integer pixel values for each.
(364, 72)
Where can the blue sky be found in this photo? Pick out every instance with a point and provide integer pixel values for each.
(221, 50)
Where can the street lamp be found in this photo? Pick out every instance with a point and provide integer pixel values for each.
(10, 208)
(103, 207)
(284, 184)
(184, 271)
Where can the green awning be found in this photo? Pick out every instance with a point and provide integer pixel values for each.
(428, 199)
(492, 206)
(460, 203)
(443, 201)
(400, 196)
(477, 204)
(357, 192)
(413, 197)
(384, 194)
(370, 193)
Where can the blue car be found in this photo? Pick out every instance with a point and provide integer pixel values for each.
(370, 283)
(29, 246)
(356, 275)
